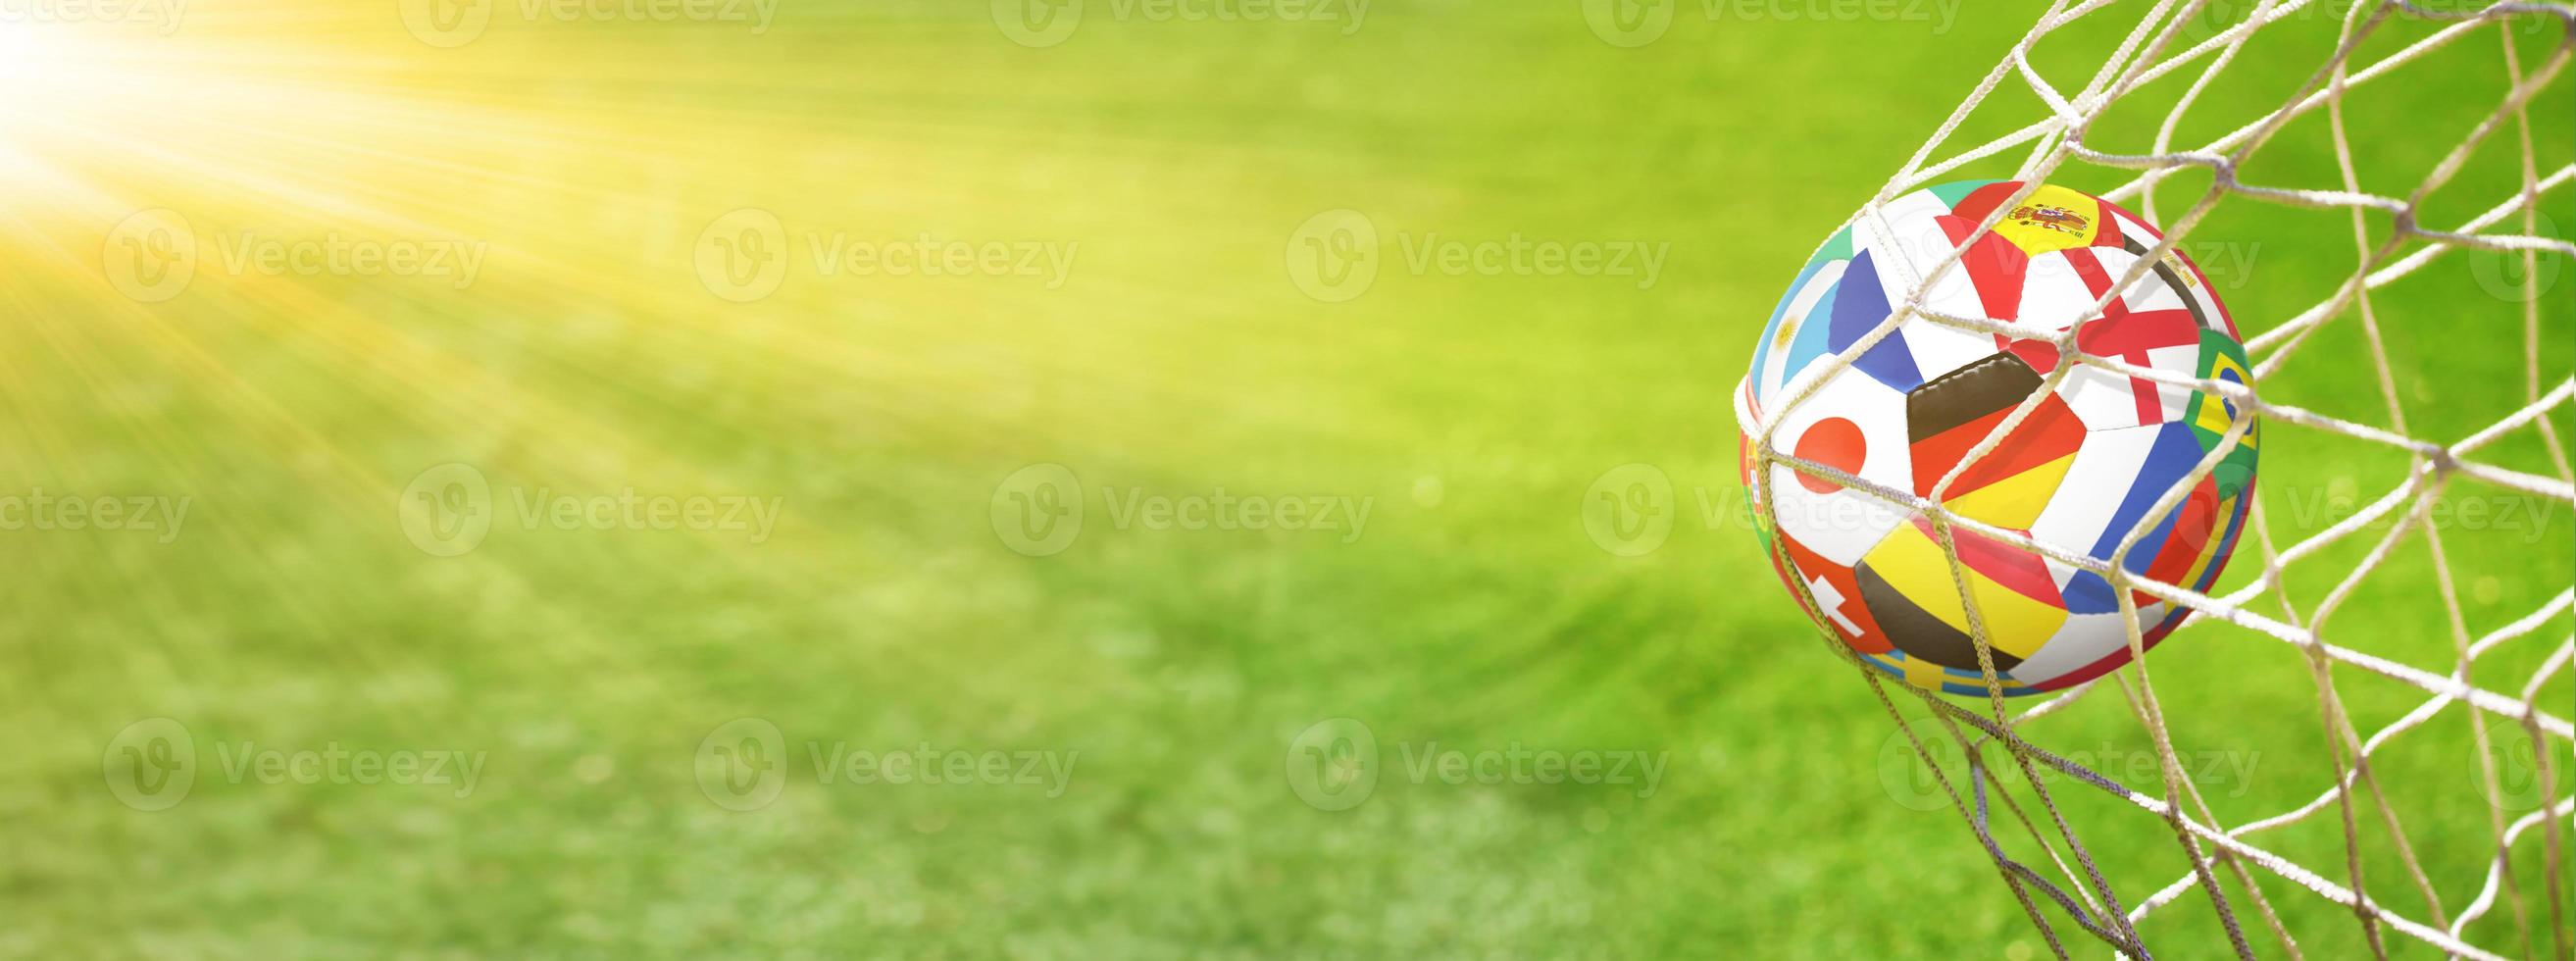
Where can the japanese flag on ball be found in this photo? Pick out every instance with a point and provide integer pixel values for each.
(1900, 410)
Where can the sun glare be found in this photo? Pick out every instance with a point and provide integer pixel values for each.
(42, 68)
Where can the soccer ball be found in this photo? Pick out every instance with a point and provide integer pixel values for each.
(2080, 473)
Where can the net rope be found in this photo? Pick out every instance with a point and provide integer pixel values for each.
(2070, 880)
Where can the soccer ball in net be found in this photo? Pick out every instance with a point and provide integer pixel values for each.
(2097, 439)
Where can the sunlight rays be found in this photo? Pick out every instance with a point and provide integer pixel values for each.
(318, 389)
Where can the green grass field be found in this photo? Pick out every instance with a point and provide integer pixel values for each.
(1152, 685)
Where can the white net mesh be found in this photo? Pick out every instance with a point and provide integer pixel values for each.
(2190, 45)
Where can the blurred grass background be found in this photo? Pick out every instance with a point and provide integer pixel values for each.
(1176, 160)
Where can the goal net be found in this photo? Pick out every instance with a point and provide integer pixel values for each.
(2394, 641)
